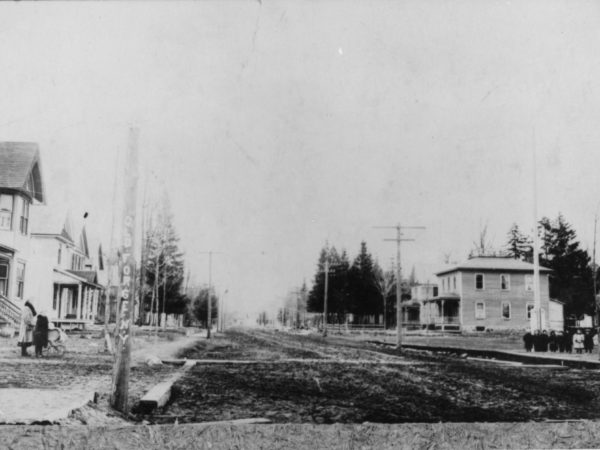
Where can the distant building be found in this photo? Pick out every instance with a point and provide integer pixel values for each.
(66, 283)
(413, 309)
(486, 293)
(20, 187)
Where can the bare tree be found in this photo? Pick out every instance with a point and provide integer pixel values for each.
(386, 283)
(483, 245)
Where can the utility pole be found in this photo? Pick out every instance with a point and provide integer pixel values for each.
(398, 240)
(596, 299)
(120, 382)
(537, 301)
(325, 297)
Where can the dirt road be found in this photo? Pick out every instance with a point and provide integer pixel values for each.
(353, 382)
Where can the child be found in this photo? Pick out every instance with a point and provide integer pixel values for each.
(40, 334)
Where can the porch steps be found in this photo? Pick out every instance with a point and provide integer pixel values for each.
(10, 313)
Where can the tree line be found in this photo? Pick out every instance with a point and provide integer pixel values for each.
(572, 278)
(361, 288)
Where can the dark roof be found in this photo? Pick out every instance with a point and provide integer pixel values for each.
(88, 275)
(18, 162)
(493, 263)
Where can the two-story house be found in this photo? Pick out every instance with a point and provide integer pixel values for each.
(413, 309)
(20, 187)
(66, 275)
(486, 293)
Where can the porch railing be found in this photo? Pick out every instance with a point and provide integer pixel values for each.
(450, 320)
(9, 312)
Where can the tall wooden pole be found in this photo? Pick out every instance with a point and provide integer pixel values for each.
(209, 313)
(537, 299)
(399, 289)
(325, 297)
(398, 240)
(120, 382)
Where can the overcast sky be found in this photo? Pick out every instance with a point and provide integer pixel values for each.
(278, 126)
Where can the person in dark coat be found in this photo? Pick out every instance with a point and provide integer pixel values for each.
(40, 334)
(552, 341)
(536, 340)
(528, 341)
(588, 342)
(544, 341)
(568, 341)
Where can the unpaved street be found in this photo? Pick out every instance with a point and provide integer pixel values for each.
(353, 382)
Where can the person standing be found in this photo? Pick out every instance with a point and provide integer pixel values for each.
(588, 342)
(578, 339)
(537, 341)
(560, 340)
(544, 341)
(26, 328)
(568, 340)
(553, 341)
(528, 341)
(40, 334)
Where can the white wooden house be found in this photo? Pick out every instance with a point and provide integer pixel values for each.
(66, 272)
(20, 186)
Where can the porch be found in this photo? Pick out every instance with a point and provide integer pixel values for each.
(441, 313)
(75, 299)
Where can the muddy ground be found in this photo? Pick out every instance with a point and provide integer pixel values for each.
(341, 384)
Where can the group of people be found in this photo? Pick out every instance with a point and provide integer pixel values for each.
(562, 342)
(33, 330)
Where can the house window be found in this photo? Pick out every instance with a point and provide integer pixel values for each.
(454, 282)
(59, 254)
(20, 280)
(6, 211)
(435, 291)
(529, 282)
(479, 281)
(4, 278)
(506, 310)
(480, 310)
(530, 307)
(504, 282)
(24, 216)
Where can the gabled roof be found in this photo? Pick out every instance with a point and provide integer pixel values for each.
(20, 168)
(493, 263)
(51, 221)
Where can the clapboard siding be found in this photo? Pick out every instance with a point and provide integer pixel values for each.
(493, 297)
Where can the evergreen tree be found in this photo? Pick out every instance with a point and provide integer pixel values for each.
(364, 295)
(571, 279)
(519, 245)
(164, 268)
(200, 306)
(337, 284)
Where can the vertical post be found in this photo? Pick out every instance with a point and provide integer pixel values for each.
(120, 384)
(325, 297)
(79, 310)
(596, 299)
(398, 289)
(209, 313)
(536, 259)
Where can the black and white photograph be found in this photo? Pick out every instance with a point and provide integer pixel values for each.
(299, 224)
